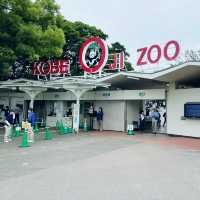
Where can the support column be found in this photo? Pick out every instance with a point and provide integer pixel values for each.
(76, 110)
(76, 115)
(32, 93)
(31, 103)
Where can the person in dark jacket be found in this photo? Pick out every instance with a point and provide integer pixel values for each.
(31, 117)
(100, 119)
(11, 117)
(142, 121)
(159, 120)
(17, 112)
(6, 113)
(165, 118)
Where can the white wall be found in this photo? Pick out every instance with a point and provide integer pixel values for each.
(114, 114)
(175, 109)
(125, 95)
(132, 111)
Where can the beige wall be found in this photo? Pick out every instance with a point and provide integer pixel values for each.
(132, 111)
(114, 115)
(97, 95)
(175, 110)
(125, 95)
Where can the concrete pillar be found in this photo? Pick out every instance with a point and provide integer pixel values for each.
(78, 92)
(32, 92)
(59, 109)
(31, 103)
(76, 115)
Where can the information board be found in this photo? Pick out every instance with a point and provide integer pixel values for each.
(192, 110)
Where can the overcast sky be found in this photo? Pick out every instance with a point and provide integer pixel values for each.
(139, 23)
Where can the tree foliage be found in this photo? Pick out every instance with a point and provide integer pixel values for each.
(32, 30)
(28, 30)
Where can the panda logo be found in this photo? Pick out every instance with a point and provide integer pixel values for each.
(93, 55)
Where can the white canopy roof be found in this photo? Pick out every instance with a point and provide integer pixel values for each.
(124, 80)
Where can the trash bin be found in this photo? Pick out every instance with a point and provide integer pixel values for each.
(130, 129)
(135, 126)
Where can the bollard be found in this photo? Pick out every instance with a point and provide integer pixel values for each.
(66, 130)
(36, 130)
(61, 130)
(130, 130)
(30, 135)
(24, 140)
(17, 131)
(11, 132)
(7, 132)
(70, 130)
(47, 134)
(85, 128)
(7, 138)
(57, 125)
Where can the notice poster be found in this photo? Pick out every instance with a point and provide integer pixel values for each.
(76, 116)
(68, 122)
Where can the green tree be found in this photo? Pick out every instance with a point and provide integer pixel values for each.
(28, 29)
(32, 30)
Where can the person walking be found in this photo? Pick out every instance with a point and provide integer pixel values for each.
(154, 117)
(100, 119)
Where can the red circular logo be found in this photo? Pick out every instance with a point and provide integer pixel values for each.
(92, 59)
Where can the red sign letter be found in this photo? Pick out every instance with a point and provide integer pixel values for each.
(36, 68)
(150, 53)
(143, 52)
(177, 50)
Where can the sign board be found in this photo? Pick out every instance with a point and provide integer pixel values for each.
(55, 67)
(146, 55)
(26, 125)
(192, 110)
(94, 57)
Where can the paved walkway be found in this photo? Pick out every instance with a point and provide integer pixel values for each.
(108, 166)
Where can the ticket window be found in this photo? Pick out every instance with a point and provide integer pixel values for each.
(68, 108)
(51, 108)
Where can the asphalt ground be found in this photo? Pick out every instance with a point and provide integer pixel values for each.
(106, 166)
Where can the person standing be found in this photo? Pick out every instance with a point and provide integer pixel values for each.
(159, 120)
(154, 117)
(11, 117)
(17, 112)
(142, 121)
(165, 118)
(91, 114)
(100, 119)
(6, 113)
(31, 117)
